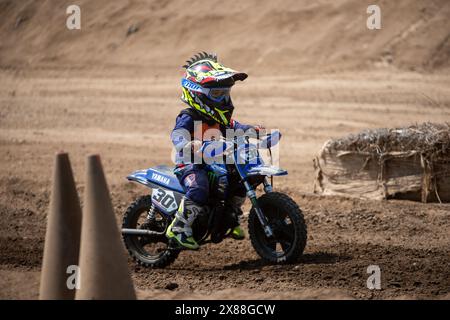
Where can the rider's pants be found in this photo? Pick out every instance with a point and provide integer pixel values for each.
(194, 178)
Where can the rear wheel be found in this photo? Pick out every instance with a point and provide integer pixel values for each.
(288, 225)
(150, 250)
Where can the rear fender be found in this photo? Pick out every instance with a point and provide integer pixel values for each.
(139, 176)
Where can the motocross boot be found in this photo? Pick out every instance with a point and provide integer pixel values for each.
(180, 229)
(237, 232)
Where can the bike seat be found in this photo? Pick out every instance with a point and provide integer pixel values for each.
(163, 176)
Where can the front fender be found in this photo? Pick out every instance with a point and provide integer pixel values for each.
(263, 170)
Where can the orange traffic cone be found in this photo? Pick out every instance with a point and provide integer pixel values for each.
(103, 264)
(62, 238)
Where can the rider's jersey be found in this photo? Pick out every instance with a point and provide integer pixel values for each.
(191, 126)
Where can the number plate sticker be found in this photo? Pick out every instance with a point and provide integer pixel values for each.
(165, 199)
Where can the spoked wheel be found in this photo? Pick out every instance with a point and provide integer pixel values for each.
(148, 250)
(288, 225)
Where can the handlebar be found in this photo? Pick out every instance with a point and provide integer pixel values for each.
(217, 147)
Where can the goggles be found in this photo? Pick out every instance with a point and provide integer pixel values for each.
(215, 94)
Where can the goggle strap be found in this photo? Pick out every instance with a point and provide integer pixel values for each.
(193, 86)
(197, 88)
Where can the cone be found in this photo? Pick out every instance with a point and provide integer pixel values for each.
(103, 263)
(62, 238)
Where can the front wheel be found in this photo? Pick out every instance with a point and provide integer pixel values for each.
(288, 225)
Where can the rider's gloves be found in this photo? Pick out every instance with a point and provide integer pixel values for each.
(259, 130)
(194, 145)
(259, 127)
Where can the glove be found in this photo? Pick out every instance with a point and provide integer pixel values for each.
(195, 145)
(259, 127)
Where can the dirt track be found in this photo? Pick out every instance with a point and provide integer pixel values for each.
(127, 120)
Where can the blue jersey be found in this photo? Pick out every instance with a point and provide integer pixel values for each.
(187, 129)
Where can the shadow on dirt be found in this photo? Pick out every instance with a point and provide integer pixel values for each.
(247, 265)
(323, 258)
(309, 258)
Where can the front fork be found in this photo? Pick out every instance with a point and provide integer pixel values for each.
(251, 194)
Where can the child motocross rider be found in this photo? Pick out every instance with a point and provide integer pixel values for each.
(206, 86)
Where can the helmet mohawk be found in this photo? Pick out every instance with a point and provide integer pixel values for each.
(200, 56)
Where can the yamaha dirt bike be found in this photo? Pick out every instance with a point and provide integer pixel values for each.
(276, 225)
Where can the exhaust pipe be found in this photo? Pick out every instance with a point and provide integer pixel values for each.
(141, 232)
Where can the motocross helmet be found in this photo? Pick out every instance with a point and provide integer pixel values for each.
(206, 87)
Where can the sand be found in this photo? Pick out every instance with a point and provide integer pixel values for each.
(99, 91)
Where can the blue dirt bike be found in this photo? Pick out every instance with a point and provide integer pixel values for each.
(276, 225)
